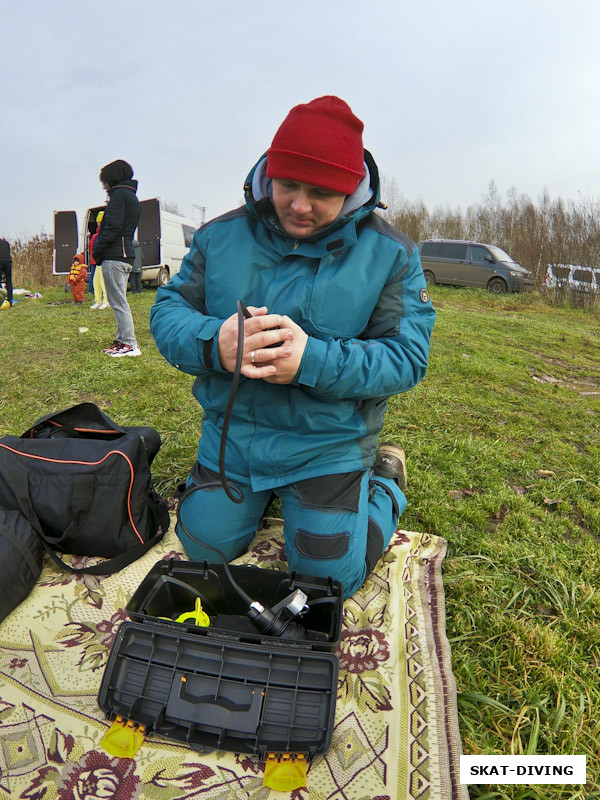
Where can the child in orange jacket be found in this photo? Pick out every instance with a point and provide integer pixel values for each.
(77, 278)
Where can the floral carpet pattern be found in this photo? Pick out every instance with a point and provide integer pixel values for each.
(396, 728)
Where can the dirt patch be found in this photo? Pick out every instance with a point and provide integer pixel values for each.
(586, 388)
(579, 520)
(583, 380)
(569, 376)
(556, 362)
(497, 518)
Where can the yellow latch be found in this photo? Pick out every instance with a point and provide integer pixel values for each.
(124, 738)
(285, 772)
(198, 616)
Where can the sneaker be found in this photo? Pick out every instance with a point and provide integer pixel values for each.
(114, 346)
(126, 350)
(390, 462)
(95, 305)
(102, 305)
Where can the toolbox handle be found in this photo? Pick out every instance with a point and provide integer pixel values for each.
(222, 711)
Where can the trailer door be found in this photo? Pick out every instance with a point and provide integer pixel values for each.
(65, 241)
(149, 232)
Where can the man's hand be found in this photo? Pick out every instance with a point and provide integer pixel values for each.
(294, 344)
(257, 362)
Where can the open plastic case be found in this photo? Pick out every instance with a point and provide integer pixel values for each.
(225, 685)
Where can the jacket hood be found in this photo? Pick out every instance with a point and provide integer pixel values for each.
(80, 257)
(361, 203)
(115, 172)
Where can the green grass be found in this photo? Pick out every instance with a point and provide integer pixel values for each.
(503, 463)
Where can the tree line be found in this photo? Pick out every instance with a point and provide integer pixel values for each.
(32, 263)
(534, 234)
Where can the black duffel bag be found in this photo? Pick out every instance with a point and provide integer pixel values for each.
(20, 559)
(84, 484)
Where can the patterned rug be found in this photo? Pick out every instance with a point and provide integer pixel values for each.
(396, 730)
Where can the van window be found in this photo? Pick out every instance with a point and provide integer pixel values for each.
(479, 253)
(453, 250)
(583, 275)
(430, 249)
(499, 254)
(188, 235)
(561, 272)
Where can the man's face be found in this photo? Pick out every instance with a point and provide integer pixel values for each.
(304, 209)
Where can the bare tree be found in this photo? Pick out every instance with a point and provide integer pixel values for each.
(551, 231)
(171, 206)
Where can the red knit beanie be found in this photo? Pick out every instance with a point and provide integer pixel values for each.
(319, 143)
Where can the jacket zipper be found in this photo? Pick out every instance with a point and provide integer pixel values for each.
(123, 245)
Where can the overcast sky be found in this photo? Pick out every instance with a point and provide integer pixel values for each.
(190, 92)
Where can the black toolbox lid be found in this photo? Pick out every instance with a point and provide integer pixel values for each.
(171, 588)
(221, 693)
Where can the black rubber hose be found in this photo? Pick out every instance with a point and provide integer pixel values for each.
(234, 493)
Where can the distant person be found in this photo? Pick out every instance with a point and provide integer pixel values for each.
(100, 298)
(114, 251)
(77, 278)
(92, 269)
(6, 269)
(348, 305)
(135, 277)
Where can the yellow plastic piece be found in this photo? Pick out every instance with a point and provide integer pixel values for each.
(4, 305)
(284, 772)
(199, 617)
(124, 738)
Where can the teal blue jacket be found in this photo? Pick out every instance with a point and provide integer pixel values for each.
(356, 288)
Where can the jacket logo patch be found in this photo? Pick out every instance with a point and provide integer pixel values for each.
(424, 295)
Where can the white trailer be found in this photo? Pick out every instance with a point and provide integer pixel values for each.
(165, 238)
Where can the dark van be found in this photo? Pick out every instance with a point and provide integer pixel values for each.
(464, 263)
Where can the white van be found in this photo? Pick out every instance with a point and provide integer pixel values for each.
(572, 278)
(165, 238)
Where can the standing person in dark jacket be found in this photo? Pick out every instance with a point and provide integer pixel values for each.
(6, 269)
(114, 251)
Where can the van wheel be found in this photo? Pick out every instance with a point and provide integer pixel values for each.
(163, 277)
(497, 286)
(429, 277)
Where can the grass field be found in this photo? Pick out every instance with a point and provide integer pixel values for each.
(504, 462)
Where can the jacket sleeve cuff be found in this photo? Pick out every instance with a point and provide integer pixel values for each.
(216, 365)
(208, 345)
(312, 362)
